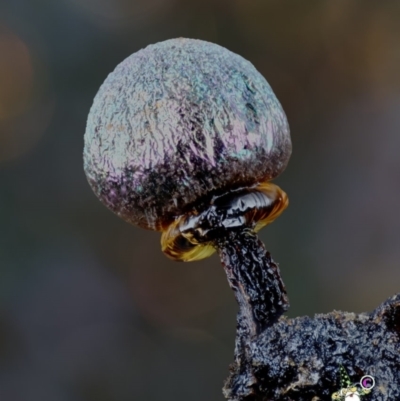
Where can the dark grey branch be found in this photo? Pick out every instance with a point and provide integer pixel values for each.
(299, 359)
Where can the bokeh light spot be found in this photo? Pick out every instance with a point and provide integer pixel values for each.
(24, 112)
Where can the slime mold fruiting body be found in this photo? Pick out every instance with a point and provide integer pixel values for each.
(184, 137)
(177, 123)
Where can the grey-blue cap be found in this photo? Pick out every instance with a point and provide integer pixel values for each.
(180, 121)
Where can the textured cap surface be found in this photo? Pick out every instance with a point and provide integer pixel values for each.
(178, 121)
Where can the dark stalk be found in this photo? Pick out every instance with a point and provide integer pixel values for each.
(256, 282)
(255, 279)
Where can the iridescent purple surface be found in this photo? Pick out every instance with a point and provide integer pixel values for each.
(179, 121)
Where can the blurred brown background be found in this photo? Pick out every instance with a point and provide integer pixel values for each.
(90, 309)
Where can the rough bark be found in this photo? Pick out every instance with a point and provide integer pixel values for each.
(299, 359)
